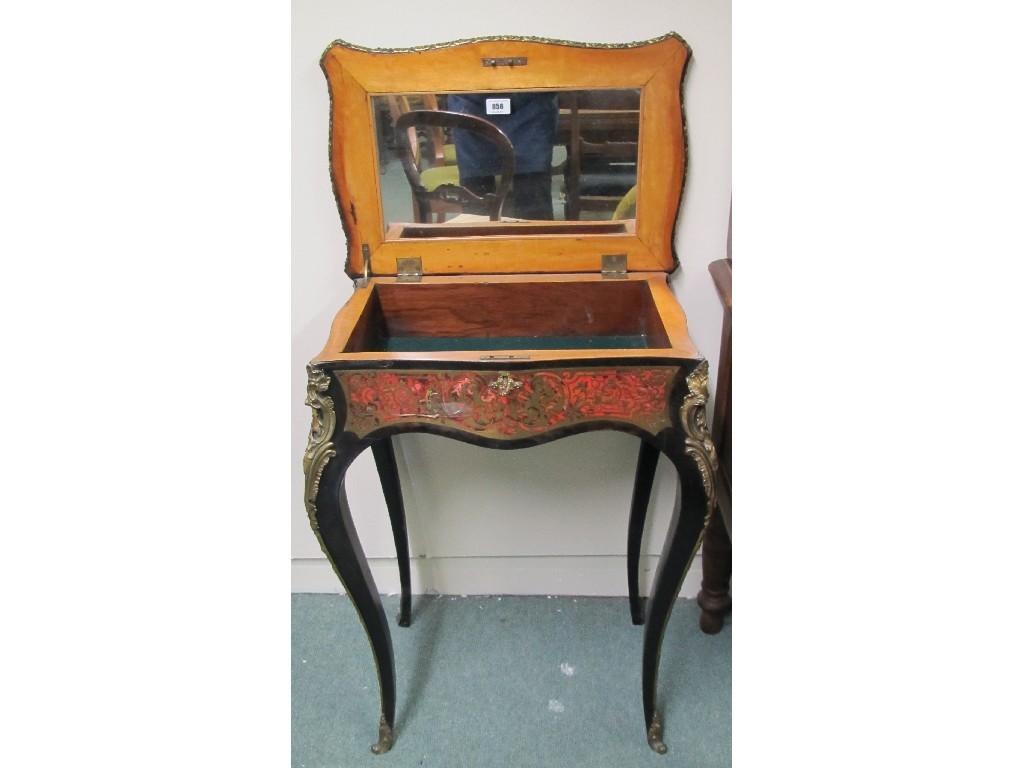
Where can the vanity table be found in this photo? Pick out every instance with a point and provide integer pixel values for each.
(506, 333)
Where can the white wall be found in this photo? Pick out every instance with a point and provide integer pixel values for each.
(547, 520)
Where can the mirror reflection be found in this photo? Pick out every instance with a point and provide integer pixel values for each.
(492, 161)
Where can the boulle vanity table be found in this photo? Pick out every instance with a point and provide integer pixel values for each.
(499, 331)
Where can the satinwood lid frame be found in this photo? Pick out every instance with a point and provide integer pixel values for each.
(655, 67)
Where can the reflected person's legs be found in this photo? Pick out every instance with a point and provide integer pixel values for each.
(531, 196)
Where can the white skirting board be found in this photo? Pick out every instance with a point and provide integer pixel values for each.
(533, 575)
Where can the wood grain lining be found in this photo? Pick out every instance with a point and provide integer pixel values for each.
(484, 309)
(509, 305)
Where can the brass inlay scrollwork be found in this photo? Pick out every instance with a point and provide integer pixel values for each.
(699, 446)
(495, 405)
(320, 449)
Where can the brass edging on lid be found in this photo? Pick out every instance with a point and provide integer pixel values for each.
(505, 39)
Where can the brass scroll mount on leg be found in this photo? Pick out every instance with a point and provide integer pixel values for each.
(699, 445)
(319, 449)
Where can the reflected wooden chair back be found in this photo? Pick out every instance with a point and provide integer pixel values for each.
(601, 130)
(436, 194)
(430, 148)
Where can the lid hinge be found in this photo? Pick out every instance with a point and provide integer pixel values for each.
(613, 266)
(362, 282)
(410, 270)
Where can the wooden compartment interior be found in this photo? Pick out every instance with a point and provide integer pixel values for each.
(426, 317)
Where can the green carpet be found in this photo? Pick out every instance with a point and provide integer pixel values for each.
(509, 682)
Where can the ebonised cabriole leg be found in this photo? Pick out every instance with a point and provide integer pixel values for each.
(690, 449)
(327, 459)
(681, 543)
(341, 544)
(387, 468)
(646, 465)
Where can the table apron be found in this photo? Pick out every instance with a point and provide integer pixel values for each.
(507, 406)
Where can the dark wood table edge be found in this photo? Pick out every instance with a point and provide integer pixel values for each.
(714, 597)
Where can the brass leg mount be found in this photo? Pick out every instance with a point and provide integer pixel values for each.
(385, 739)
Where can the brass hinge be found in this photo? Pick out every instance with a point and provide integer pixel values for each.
(362, 282)
(613, 266)
(410, 270)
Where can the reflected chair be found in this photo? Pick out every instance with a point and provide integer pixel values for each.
(441, 193)
(431, 148)
(432, 153)
(602, 150)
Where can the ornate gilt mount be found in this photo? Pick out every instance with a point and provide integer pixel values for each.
(320, 449)
(699, 446)
(504, 383)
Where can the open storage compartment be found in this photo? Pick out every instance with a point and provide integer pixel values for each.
(508, 316)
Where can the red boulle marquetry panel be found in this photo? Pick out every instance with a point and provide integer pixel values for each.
(503, 405)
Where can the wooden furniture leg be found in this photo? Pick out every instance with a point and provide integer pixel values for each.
(716, 564)
(325, 463)
(690, 449)
(646, 464)
(387, 468)
(333, 525)
(687, 444)
(681, 543)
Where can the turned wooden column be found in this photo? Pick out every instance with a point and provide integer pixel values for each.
(716, 556)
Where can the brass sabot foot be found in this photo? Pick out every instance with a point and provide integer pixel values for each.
(654, 735)
(385, 739)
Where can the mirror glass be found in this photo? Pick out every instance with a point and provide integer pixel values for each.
(558, 160)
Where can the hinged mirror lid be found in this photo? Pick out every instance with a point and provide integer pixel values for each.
(421, 141)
